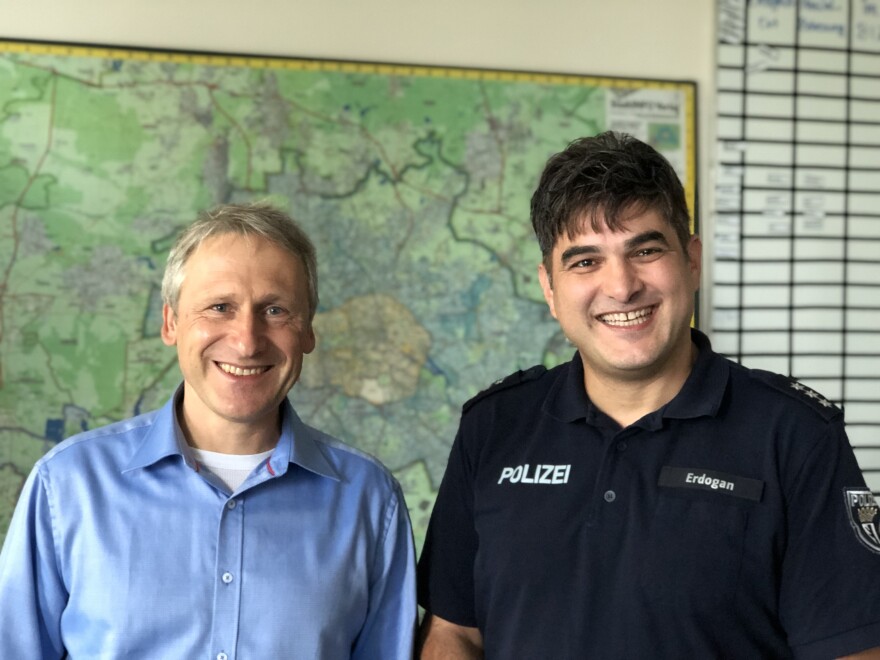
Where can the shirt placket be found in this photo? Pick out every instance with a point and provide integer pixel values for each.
(228, 579)
(609, 488)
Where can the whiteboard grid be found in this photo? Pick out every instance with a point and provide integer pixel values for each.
(796, 272)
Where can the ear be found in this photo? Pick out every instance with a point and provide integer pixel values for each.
(695, 260)
(169, 326)
(309, 340)
(547, 288)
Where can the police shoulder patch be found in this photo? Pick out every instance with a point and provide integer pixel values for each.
(863, 516)
(512, 380)
(798, 391)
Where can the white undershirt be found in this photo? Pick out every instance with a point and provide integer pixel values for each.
(231, 469)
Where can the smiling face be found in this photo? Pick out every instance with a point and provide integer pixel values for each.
(626, 298)
(241, 329)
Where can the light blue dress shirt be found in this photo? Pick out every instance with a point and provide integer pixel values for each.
(120, 548)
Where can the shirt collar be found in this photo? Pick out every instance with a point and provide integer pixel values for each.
(701, 395)
(703, 391)
(567, 399)
(297, 444)
(162, 439)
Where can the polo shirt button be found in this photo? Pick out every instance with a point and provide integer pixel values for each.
(621, 446)
(222, 656)
(226, 577)
(610, 496)
(231, 504)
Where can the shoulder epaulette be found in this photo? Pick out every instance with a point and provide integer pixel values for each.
(798, 391)
(505, 383)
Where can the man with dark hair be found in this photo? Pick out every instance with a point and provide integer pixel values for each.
(649, 498)
(220, 526)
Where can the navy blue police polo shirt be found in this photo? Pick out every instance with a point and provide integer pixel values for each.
(733, 522)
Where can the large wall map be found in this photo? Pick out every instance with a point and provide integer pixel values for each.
(414, 183)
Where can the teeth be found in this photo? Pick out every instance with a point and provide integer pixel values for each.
(624, 319)
(238, 371)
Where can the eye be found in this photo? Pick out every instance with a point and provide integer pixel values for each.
(582, 263)
(220, 307)
(648, 252)
(274, 310)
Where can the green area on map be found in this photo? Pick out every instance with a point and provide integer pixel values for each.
(415, 189)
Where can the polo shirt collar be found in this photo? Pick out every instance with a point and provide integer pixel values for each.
(567, 399)
(701, 395)
(297, 443)
(703, 391)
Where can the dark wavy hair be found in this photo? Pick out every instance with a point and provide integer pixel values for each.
(605, 179)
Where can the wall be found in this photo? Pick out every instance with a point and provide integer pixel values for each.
(638, 38)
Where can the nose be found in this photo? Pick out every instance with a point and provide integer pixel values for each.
(247, 333)
(622, 281)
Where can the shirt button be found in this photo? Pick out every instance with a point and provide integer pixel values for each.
(227, 577)
(610, 496)
(222, 656)
(231, 504)
(621, 446)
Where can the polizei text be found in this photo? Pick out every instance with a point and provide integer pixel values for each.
(540, 474)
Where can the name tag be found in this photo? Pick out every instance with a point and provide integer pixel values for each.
(676, 477)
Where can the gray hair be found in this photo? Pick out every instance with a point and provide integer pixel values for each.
(258, 219)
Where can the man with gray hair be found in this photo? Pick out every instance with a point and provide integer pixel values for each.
(221, 525)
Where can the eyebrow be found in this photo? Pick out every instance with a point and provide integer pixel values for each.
(576, 251)
(225, 296)
(630, 244)
(646, 237)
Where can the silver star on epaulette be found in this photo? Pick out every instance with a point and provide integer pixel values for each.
(813, 394)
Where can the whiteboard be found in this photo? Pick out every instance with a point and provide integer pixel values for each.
(796, 265)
